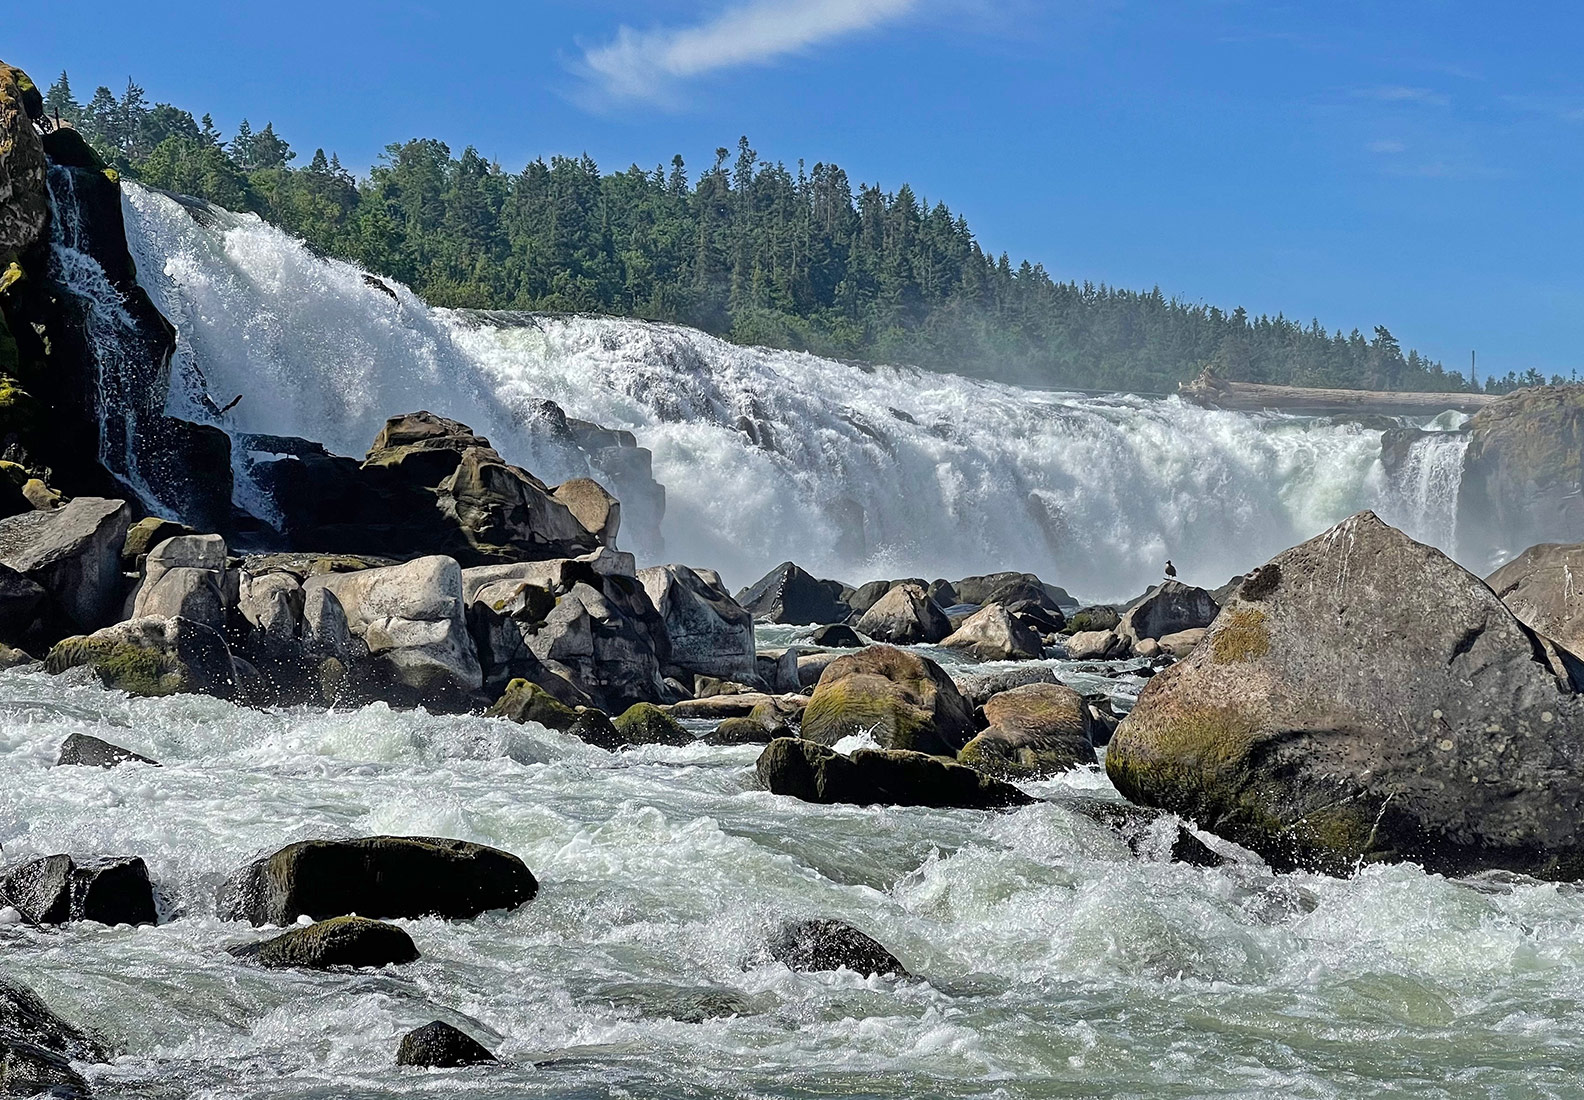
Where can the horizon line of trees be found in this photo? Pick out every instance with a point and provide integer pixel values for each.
(749, 250)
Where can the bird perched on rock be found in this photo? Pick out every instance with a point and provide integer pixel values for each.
(1171, 570)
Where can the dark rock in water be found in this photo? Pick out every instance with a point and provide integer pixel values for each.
(1092, 618)
(943, 593)
(21, 601)
(1009, 588)
(905, 616)
(1539, 587)
(884, 777)
(647, 724)
(380, 877)
(993, 634)
(768, 720)
(59, 889)
(1365, 699)
(28, 1070)
(1103, 720)
(152, 657)
(74, 554)
(1175, 843)
(340, 941)
(526, 702)
(1522, 472)
(24, 1016)
(837, 636)
(595, 727)
(438, 1045)
(898, 698)
(89, 752)
(814, 945)
(789, 595)
(1033, 731)
(1168, 608)
(710, 633)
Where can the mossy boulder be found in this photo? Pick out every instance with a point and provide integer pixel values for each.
(595, 727)
(68, 148)
(340, 941)
(144, 535)
(878, 777)
(1092, 618)
(898, 698)
(647, 724)
(1033, 731)
(152, 656)
(1362, 698)
(525, 701)
(769, 719)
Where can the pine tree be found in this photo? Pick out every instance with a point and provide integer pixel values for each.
(59, 101)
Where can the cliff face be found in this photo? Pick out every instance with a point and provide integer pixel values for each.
(1523, 474)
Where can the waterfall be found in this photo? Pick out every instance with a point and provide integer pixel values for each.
(853, 471)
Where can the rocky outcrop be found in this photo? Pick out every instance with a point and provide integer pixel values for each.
(992, 634)
(905, 616)
(81, 750)
(438, 1045)
(878, 777)
(896, 698)
(1362, 699)
(1544, 587)
(339, 941)
(411, 625)
(152, 656)
(1032, 731)
(24, 202)
(596, 510)
(74, 554)
(1523, 474)
(710, 633)
(1010, 589)
(789, 595)
(187, 576)
(58, 889)
(814, 945)
(381, 877)
(1168, 608)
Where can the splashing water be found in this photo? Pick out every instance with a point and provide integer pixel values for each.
(852, 471)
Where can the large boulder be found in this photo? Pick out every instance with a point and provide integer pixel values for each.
(1032, 731)
(898, 699)
(187, 575)
(878, 777)
(992, 634)
(24, 197)
(1541, 586)
(1521, 474)
(152, 656)
(596, 510)
(74, 553)
(58, 889)
(787, 594)
(711, 634)
(340, 941)
(905, 616)
(1008, 588)
(1363, 698)
(1168, 608)
(1098, 645)
(412, 623)
(979, 687)
(525, 701)
(381, 877)
(647, 724)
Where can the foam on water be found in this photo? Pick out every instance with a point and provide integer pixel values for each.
(853, 471)
(1049, 960)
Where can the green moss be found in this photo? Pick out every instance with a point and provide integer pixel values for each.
(1243, 637)
(12, 275)
(120, 665)
(647, 724)
(113, 176)
(19, 410)
(524, 701)
(856, 706)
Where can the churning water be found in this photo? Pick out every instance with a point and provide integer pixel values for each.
(1048, 960)
(852, 471)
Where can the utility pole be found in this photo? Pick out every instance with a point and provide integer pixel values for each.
(1473, 375)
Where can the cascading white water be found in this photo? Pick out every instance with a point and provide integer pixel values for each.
(852, 471)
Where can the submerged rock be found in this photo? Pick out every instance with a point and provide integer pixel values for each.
(897, 698)
(1149, 834)
(37, 1048)
(59, 889)
(340, 941)
(1033, 731)
(905, 616)
(381, 877)
(789, 595)
(1364, 699)
(528, 702)
(438, 1045)
(89, 752)
(886, 777)
(814, 945)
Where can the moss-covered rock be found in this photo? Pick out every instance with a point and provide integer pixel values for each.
(152, 657)
(25, 212)
(340, 941)
(647, 724)
(1033, 731)
(898, 698)
(1092, 618)
(1362, 698)
(67, 147)
(524, 701)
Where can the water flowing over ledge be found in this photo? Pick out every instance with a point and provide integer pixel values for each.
(853, 471)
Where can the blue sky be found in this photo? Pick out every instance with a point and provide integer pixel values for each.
(1413, 163)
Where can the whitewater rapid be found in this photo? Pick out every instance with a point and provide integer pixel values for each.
(853, 471)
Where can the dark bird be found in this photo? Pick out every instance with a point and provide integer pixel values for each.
(1171, 570)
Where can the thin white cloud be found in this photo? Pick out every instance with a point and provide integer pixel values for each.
(651, 64)
(1387, 146)
(1399, 93)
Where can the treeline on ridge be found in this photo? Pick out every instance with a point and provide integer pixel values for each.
(750, 250)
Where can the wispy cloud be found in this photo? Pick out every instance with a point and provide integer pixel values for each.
(1387, 146)
(1401, 93)
(652, 64)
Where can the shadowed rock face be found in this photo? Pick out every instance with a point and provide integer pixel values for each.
(1363, 698)
(789, 595)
